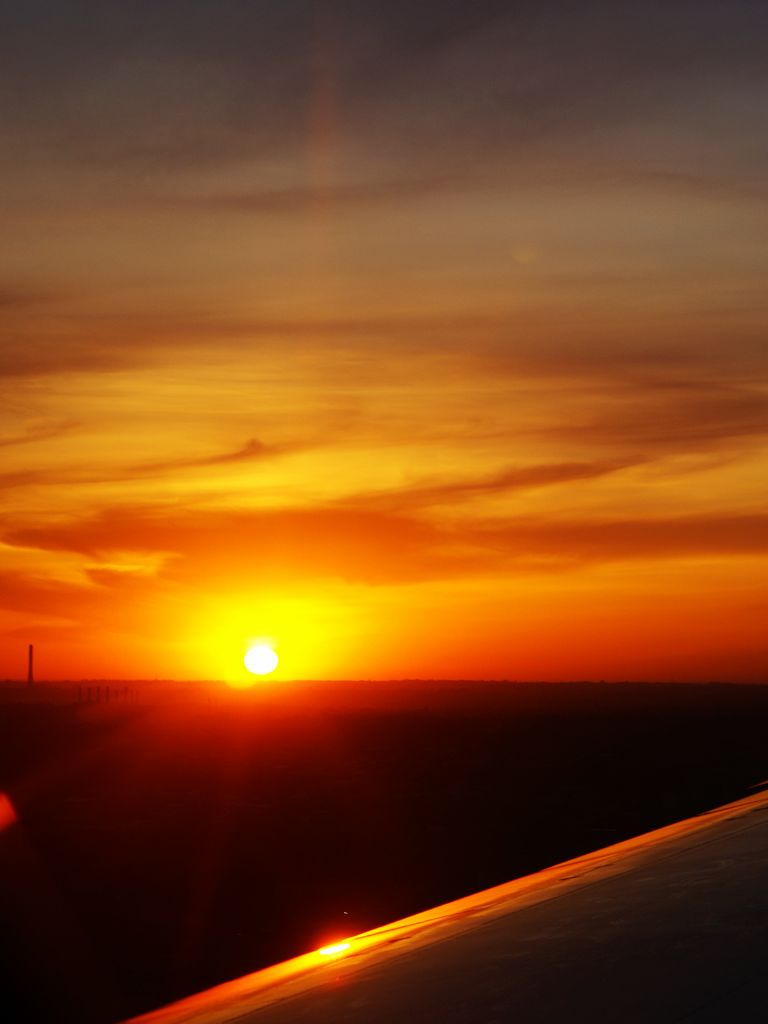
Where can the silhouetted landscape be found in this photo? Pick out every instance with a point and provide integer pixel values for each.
(166, 845)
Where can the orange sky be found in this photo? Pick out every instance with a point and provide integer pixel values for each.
(417, 345)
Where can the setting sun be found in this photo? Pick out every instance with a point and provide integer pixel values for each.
(261, 660)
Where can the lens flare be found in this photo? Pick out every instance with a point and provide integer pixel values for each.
(7, 813)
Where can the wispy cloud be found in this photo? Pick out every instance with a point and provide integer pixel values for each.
(299, 199)
(55, 476)
(377, 547)
(672, 414)
(253, 450)
(432, 493)
(37, 432)
(15, 297)
(597, 540)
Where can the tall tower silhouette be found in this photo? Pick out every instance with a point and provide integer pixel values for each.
(31, 665)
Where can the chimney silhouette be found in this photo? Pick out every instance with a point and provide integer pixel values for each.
(31, 666)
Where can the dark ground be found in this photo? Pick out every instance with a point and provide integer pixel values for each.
(163, 848)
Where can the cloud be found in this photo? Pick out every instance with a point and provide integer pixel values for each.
(119, 579)
(26, 352)
(492, 182)
(299, 199)
(426, 494)
(526, 342)
(38, 432)
(83, 341)
(253, 450)
(251, 546)
(45, 598)
(51, 611)
(180, 84)
(661, 416)
(604, 540)
(12, 479)
(221, 548)
(14, 297)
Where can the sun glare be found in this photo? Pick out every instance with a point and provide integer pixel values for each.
(335, 950)
(261, 660)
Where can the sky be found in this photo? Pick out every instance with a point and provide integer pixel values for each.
(416, 340)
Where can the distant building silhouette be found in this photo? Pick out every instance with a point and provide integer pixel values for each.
(31, 665)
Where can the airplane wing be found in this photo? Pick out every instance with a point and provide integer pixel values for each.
(670, 926)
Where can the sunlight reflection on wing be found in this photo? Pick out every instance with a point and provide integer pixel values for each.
(335, 950)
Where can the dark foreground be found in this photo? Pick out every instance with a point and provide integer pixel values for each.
(669, 927)
(163, 848)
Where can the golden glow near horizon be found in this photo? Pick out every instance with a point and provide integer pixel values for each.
(418, 388)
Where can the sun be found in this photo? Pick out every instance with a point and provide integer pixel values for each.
(261, 660)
